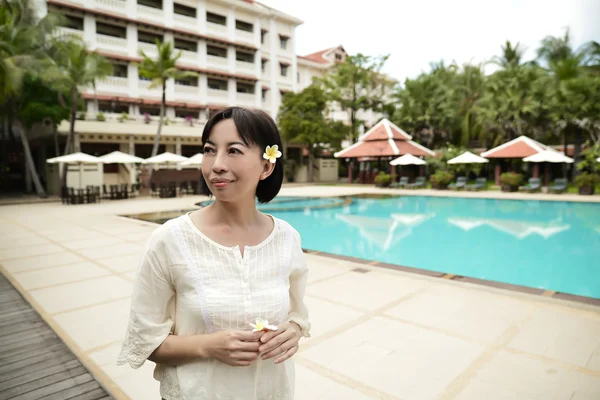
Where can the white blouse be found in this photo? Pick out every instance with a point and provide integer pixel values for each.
(187, 284)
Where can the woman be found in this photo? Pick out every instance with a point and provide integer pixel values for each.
(210, 280)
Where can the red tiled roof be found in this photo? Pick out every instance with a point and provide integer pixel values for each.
(383, 130)
(317, 57)
(382, 148)
(517, 148)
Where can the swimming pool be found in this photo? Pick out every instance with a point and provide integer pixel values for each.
(539, 244)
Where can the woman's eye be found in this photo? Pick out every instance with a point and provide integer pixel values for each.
(233, 150)
(207, 150)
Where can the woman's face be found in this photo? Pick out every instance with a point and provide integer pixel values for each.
(231, 169)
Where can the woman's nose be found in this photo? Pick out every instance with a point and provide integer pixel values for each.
(220, 163)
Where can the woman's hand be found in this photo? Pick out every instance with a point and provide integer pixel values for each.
(235, 348)
(282, 343)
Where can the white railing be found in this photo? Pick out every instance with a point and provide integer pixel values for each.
(149, 49)
(218, 96)
(217, 62)
(243, 36)
(150, 13)
(188, 57)
(112, 5)
(216, 29)
(184, 92)
(246, 99)
(111, 43)
(183, 21)
(242, 67)
(114, 81)
(63, 31)
(284, 85)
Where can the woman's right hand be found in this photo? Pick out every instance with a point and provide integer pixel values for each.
(235, 348)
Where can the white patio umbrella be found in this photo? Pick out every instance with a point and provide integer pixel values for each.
(76, 158)
(550, 156)
(118, 157)
(468, 158)
(196, 160)
(598, 159)
(166, 158)
(408, 159)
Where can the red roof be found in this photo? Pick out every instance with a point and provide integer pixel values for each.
(318, 56)
(384, 140)
(520, 147)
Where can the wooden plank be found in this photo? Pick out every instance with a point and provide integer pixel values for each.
(35, 384)
(21, 327)
(32, 340)
(33, 375)
(56, 387)
(28, 351)
(70, 393)
(96, 394)
(27, 336)
(34, 363)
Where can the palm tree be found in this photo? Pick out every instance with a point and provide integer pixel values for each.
(512, 56)
(23, 49)
(160, 70)
(470, 86)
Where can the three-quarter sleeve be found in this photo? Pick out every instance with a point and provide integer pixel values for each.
(150, 320)
(298, 279)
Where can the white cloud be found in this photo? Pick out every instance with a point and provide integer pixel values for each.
(418, 32)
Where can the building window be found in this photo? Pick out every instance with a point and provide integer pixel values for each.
(216, 18)
(143, 78)
(73, 22)
(217, 84)
(184, 10)
(191, 81)
(244, 57)
(112, 107)
(151, 3)
(152, 110)
(245, 88)
(149, 37)
(338, 57)
(216, 51)
(263, 65)
(187, 45)
(298, 77)
(119, 70)
(284, 69)
(111, 30)
(263, 35)
(264, 94)
(283, 41)
(244, 26)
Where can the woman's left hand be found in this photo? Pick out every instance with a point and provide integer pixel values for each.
(282, 343)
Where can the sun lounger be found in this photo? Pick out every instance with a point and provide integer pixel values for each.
(419, 183)
(560, 186)
(480, 183)
(534, 185)
(403, 182)
(460, 183)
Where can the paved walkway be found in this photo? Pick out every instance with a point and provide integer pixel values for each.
(378, 333)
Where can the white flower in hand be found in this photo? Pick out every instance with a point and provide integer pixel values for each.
(262, 325)
(272, 153)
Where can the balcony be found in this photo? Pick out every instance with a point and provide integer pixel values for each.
(118, 6)
(149, 49)
(68, 32)
(242, 67)
(245, 37)
(150, 14)
(218, 96)
(246, 99)
(187, 93)
(188, 57)
(216, 29)
(219, 63)
(185, 22)
(113, 84)
(112, 44)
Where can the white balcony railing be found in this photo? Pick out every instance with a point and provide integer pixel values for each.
(150, 13)
(242, 67)
(113, 84)
(184, 92)
(246, 99)
(68, 32)
(149, 49)
(188, 57)
(243, 36)
(218, 96)
(216, 29)
(185, 22)
(111, 43)
(217, 62)
(112, 5)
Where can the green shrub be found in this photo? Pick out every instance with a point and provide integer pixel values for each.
(511, 179)
(587, 179)
(100, 117)
(383, 180)
(441, 178)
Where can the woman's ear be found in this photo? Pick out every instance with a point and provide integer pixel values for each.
(268, 168)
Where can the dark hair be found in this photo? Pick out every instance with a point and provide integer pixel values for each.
(255, 127)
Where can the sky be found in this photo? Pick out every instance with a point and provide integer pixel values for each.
(417, 32)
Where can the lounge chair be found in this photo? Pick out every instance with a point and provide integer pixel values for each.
(480, 183)
(419, 183)
(534, 185)
(403, 182)
(560, 186)
(460, 183)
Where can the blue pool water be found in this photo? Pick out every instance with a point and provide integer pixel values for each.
(540, 244)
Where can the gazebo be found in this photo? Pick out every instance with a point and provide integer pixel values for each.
(518, 148)
(383, 140)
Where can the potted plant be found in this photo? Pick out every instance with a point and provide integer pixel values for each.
(586, 182)
(441, 179)
(124, 117)
(189, 120)
(147, 118)
(383, 180)
(511, 181)
(100, 117)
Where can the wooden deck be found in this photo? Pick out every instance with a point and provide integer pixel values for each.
(34, 362)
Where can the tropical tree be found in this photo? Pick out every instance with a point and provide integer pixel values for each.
(357, 84)
(160, 69)
(470, 87)
(302, 120)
